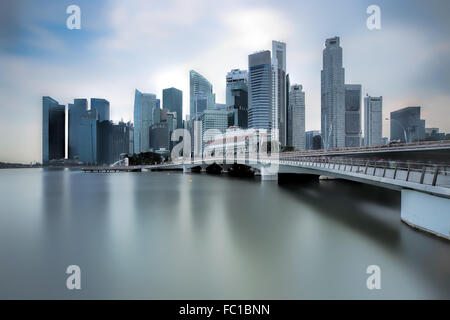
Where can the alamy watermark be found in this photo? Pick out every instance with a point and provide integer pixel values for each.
(74, 19)
(74, 279)
(374, 280)
(374, 20)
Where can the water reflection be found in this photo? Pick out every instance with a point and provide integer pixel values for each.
(159, 235)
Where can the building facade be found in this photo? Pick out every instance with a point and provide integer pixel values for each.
(373, 123)
(352, 115)
(216, 120)
(53, 130)
(173, 101)
(309, 139)
(236, 80)
(76, 110)
(144, 106)
(297, 107)
(333, 95)
(406, 125)
(260, 90)
(102, 107)
(201, 94)
(87, 137)
(279, 54)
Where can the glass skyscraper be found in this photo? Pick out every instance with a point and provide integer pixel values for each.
(87, 137)
(53, 130)
(260, 90)
(333, 95)
(76, 110)
(173, 101)
(102, 107)
(297, 111)
(279, 53)
(373, 124)
(201, 94)
(236, 80)
(144, 105)
(352, 115)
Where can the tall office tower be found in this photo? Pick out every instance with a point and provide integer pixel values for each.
(309, 139)
(53, 130)
(238, 112)
(144, 104)
(260, 90)
(213, 119)
(333, 95)
(159, 136)
(279, 53)
(288, 114)
(406, 125)
(102, 107)
(76, 110)
(236, 80)
(275, 105)
(373, 120)
(88, 149)
(173, 101)
(297, 105)
(201, 94)
(352, 115)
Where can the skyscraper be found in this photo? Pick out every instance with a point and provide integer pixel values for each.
(213, 119)
(76, 110)
(309, 135)
(406, 125)
(352, 115)
(288, 114)
(279, 53)
(201, 94)
(333, 95)
(373, 120)
(275, 105)
(102, 107)
(236, 80)
(260, 90)
(87, 137)
(173, 101)
(144, 105)
(297, 107)
(53, 130)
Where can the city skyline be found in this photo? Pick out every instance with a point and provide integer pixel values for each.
(42, 61)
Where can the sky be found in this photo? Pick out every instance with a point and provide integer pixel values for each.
(151, 45)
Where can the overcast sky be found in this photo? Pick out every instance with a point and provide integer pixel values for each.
(151, 45)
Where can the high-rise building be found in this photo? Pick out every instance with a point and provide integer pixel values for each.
(102, 107)
(238, 112)
(144, 105)
(279, 53)
(297, 107)
(87, 137)
(333, 95)
(213, 119)
(406, 125)
(309, 139)
(236, 80)
(76, 110)
(260, 90)
(173, 101)
(159, 136)
(373, 121)
(288, 114)
(53, 130)
(201, 94)
(352, 115)
(275, 105)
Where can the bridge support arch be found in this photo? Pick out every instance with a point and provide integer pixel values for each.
(426, 212)
(186, 169)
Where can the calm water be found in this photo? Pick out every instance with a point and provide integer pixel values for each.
(159, 235)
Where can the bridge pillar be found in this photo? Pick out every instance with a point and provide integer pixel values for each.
(268, 175)
(186, 169)
(426, 212)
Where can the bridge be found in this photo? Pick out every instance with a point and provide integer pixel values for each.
(424, 185)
